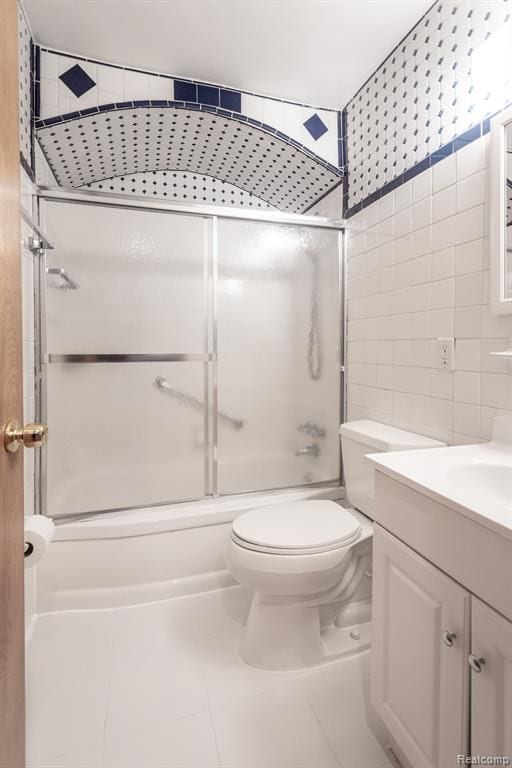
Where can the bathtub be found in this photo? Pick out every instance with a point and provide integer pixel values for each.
(144, 555)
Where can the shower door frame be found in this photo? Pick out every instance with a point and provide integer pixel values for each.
(209, 213)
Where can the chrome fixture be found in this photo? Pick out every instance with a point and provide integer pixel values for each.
(448, 638)
(311, 429)
(163, 385)
(309, 450)
(69, 283)
(476, 662)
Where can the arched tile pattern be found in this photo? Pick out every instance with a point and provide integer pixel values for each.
(180, 187)
(121, 142)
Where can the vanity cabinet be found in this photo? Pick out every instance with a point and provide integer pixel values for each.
(420, 646)
(435, 648)
(491, 688)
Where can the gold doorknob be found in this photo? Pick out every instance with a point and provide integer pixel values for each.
(31, 436)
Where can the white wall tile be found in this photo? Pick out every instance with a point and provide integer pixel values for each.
(468, 289)
(444, 173)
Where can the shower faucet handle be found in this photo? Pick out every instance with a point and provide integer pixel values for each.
(311, 429)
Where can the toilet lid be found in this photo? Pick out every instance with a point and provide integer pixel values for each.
(298, 526)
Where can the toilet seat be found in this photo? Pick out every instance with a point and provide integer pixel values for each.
(296, 528)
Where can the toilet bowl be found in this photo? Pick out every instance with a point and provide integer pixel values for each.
(309, 563)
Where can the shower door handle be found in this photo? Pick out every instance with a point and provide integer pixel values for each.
(31, 436)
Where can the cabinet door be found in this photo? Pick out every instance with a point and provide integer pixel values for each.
(491, 689)
(419, 680)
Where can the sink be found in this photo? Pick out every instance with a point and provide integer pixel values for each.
(475, 480)
(494, 481)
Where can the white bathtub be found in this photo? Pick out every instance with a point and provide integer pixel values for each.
(138, 556)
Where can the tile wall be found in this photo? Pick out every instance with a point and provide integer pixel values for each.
(103, 124)
(434, 93)
(26, 72)
(418, 269)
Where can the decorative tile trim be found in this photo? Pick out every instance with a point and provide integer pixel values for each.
(181, 187)
(428, 162)
(106, 142)
(182, 79)
(427, 93)
(26, 101)
(315, 126)
(163, 104)
(208, 94)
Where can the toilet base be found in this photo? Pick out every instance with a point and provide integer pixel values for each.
(280, 637)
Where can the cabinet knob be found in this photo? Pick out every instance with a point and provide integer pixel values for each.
(448, 638)
(476, 662)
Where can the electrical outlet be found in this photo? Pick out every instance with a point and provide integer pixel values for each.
(445, 354)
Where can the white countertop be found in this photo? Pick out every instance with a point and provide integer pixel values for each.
(474, 480)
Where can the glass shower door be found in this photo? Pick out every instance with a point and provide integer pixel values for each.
(127, 357)
(278, 309)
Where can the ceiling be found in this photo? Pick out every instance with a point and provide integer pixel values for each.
(314, 51)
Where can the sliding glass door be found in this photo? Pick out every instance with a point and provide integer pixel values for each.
(185, 355)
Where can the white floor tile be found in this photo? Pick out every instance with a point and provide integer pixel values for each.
(84, 756)
(148, 627)
(226, 677)
(272, 730)
(65, 707)
(152, 687)
(339, 695)
(132, 688)
(185, 743)
(68, 635)
(216, 611)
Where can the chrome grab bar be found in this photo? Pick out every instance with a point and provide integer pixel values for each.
(69, 283)
(163, 385)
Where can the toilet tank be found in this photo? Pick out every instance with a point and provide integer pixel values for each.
(358, 438)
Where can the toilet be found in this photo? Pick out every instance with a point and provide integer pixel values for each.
(309, 562)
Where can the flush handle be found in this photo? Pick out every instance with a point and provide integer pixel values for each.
(31, 436)
(448, 638)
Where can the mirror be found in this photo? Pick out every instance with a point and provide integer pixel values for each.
(501, 213)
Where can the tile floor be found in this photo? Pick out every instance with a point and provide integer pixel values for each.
(162, 685)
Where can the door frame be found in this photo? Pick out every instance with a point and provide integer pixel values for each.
(12, 615)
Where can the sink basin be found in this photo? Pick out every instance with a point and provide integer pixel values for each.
(494, 481)
(473, 479)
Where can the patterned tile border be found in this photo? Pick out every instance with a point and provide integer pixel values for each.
(159, 104)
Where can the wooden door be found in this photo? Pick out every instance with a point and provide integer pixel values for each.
(12, 645)
(419, 680)
(491, 688)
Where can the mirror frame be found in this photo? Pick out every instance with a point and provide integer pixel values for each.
(499, 305)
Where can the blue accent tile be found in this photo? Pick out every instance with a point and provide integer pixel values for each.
(52, 120)
(106, 107)
(184, 91)
(486, 126)
(231, 100)
(206, 94)
(441, 153)
(77, 80)
(468, 136)
(315, 126)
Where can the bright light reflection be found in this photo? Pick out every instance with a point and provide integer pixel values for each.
(232, 287)
(491, 69)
